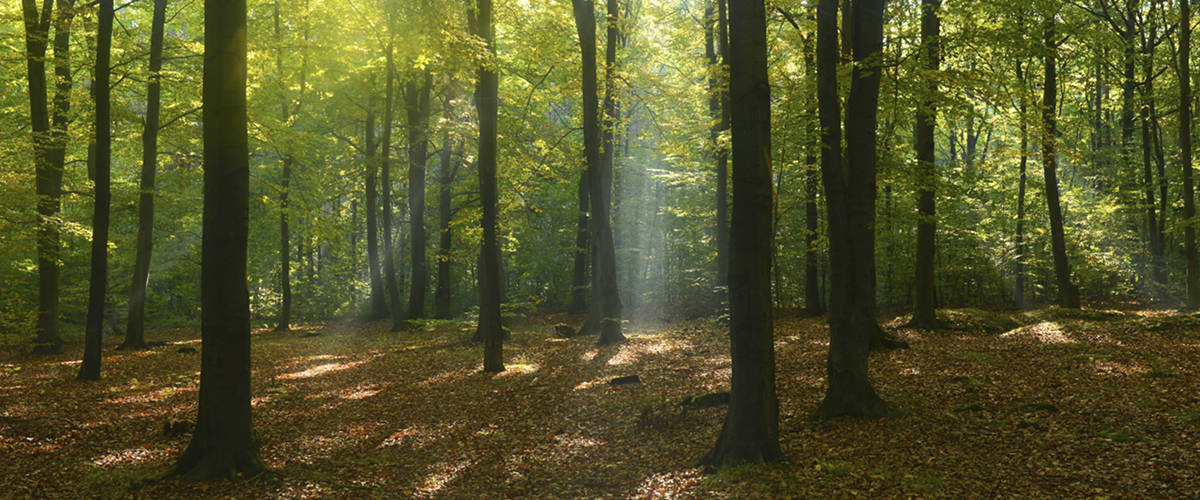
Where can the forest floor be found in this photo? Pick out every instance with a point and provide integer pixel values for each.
(1047, 403)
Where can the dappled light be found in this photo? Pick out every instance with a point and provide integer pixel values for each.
(1045, 332)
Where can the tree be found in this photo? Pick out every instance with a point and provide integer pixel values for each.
(283, 323)
(416, 97)
(446, 174)
(389, 260)
(48, 179)
(813, 304)
(487, 102)
(1019, 260)
(1191, 258)
(224, 444)
(604, 313)
(1068, 295)
(718, 58)
(926, 175)
(135, 337)
(94, 335)
(850, 205)
(750, 433)
(379, 308)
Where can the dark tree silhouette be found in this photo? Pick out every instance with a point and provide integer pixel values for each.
(1185, 156)
(389, 258)
(923, 305)
(417, 100)
(490, 292)
(750, 433)
(224, 444)
(1068, 295)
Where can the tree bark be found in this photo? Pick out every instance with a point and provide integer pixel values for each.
(1068, 295)
(417, 100)
(750, 433)
(441, 295)
(579, 275)
(604, 313)
(1019, 289)
(379, 308)
(224, 444)
(389, 255)
(813, 304)
(849, 197)
(923, 307)
(283, 323)
(722, 164)
(1185, 156)
(490, 292)
(1154, 235)
(48, 178)
(98, 282)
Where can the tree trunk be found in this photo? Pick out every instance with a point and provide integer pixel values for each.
(1185, 156)
(604, 314)
(48, 176)
(135, 324)
(389, 255)
(283, 323)
(417, 100)
(98, 282)
(750, 433)
(1019, 291)
(379, 308)
(813, 305)
(722, 166)
(441, 295)
(224, 444)
(579, 275)
(1068, 295)
(849, 198)
(923, 307)
(490, 292)
(1153, 225)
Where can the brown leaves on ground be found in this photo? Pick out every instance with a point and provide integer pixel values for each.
(1049, 404)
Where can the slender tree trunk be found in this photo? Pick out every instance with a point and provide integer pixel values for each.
(1019, 291)
(135, 325)
(923, 308)
(98, 283)
(490, 291)
(1068, 295)
(441, 295)
(417, 99)
(379, 308)
(813, 305)
(579, 275)
(283, 323)
(1153, 225)
(389, 254)
(722, 166)
(224, 444)
(48, 178)
(1185, 156)
(849, 198)
(750, 433)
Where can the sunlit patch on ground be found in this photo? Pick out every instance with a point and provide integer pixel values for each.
(444, 377)
(309, 449)
(184, 342)
(647, 345)
(150, 397)
(669, 484)
(518, 368)
(575, 442)
(442, 473)
(319, 370)
(130, 456)
(587, 385)
(1046, 332)
(417, 436)
(589, 355)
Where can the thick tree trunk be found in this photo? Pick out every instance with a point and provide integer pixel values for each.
(1158, 265)
(1185, 156)
(490, 291)
(441, 295)
(135, 324)
(224, 444)
(923, 306)
(389, 255)
(379, 308)
(1019, 289)
(849, 197)
(1068, 295)
(417, 100)
(98, 282)
(750, 433)
(48, 176)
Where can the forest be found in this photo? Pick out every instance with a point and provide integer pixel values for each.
(598, 248)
